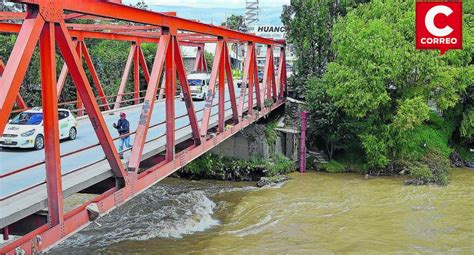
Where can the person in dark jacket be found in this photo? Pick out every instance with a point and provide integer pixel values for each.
(123, 128)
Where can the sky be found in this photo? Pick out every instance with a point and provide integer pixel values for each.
(211, 3)
(214, 11)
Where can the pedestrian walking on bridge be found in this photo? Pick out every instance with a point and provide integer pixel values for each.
(123, 128)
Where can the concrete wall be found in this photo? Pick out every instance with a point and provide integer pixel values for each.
(248, 143)
(251, 142)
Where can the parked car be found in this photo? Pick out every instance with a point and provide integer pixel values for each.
(26, 129)
(199, 85)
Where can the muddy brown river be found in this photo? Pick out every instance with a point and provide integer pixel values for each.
(313, 213)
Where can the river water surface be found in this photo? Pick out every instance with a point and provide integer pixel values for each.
(313, 213)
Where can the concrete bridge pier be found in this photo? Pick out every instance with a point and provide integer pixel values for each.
(254, 141)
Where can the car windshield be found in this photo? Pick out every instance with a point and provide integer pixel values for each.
(28, 118)
(195, 82)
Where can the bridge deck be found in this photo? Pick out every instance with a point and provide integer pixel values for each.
(34, 198)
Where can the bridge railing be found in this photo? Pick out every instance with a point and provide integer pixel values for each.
(90, 147)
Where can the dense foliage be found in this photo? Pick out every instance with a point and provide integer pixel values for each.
(308, 24)
(375, 92)
(235, 22)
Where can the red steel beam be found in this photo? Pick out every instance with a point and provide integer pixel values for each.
(22, 16)
(147, 108)
(186, 93)
(50, 123)
(95, 77)
(269, 75)
(126, 72)
(169, 101)
(143, 64)
(272, 77)
(230, 85)
(221, 91)
(17, 64)
(77, 218)
(79, 104)
(252, 83)
(198, 61)
(282, 73)
(136, 76)
(254, 69)
(128, 13)
(19, 100)
(109, 27)
(212, 88)
(204, 61)
(78, 75)
(245, 80)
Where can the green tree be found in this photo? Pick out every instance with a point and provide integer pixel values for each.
(209, 59)
(308, 25)
(235, 22)
(379, 78)
(328, 122)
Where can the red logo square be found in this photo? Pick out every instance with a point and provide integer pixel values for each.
(439, 25)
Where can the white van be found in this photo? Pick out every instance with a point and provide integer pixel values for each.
(199, 85)
(26, 129)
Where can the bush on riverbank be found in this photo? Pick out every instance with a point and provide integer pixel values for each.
(213, 166)
(433, 168)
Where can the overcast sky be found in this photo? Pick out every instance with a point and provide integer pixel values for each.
(212, 3)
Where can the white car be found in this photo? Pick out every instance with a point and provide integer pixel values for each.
(26, 129)
(199, 85)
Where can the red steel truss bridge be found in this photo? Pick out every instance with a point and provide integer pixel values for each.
(167, 132)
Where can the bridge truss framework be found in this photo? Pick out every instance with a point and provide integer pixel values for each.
(45, 22)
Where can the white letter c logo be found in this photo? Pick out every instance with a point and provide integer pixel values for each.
(429, 20)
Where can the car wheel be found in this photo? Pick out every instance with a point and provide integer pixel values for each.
(72, 134)
(39, 142)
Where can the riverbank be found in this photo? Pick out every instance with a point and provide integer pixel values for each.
(312, 212)
(215, 167)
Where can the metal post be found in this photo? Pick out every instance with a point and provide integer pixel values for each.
(143, 64)
(79, 104)
(136, 75)
(230, 85)
(147, 108)
(186, 93)
(50, 123)
(221, 91)
(266, 75)
(198, 61)
(212, 87)
(126, 72)
(258, 90)
(246, 80)
(5, 234)
(304, 126)
(170, 111)
(282, 73)
(204, 61)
